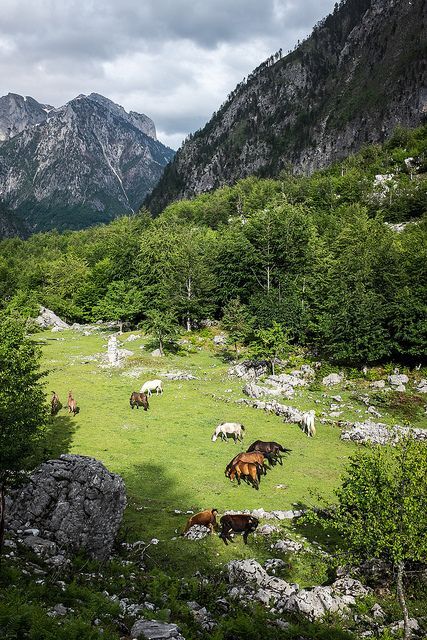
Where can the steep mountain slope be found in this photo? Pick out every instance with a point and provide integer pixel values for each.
(360, 73)
(11, 225)
(18, 113)
(80, 164)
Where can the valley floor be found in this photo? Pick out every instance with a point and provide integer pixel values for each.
(166, 456)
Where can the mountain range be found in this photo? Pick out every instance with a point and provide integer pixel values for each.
(361, 73)
(80, 164)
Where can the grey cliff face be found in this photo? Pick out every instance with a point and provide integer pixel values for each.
(360, 74)
(80, 164)
(18, 113)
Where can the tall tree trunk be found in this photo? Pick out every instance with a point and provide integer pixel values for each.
(120, 326)
(189, 294)
(2, 514)
(402, 600)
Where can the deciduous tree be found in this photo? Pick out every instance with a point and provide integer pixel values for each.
(22, 404)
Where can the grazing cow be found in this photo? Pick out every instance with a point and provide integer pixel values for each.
(55, 404)
(249, 471)
(239, 523)
(229, 429)
(271, 450)
(152, 385)
(205, 518)
(254, 457)
(72, 404)
(138, 400)
(307, 423)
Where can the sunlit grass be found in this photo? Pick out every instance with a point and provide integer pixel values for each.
(166, 456)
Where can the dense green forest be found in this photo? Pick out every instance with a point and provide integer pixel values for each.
(319, 255)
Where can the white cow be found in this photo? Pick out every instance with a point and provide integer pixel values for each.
(307, 423)
(152, 385)
(225, 429)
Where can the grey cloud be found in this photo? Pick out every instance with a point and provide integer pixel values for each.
(175, 60)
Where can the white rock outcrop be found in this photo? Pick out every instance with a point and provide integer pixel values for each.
(47, 319)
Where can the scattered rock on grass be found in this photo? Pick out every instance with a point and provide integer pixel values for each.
(249, 370)
(201, 616)
(332, 379)
(287, 546)
(197, 532)
(398, 380)
(155, 630)
(379, 433)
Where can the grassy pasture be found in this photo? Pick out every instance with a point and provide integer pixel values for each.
(166, 456)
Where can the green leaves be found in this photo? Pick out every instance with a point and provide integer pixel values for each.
(22, 401)
(271, 344)
(382, 503)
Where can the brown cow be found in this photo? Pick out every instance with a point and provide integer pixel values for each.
(247, 470)
(205, 518)
(239, 523)
(138, 400)
(72, 404)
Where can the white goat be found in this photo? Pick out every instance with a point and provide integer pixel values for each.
(226, 429)
(152, 385)
(307, 423)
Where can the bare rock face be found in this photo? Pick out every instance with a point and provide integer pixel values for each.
(83, 163)
(75, 502)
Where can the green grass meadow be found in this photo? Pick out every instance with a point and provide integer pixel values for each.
(166, 455)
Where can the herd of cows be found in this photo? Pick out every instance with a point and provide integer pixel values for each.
(248, 465)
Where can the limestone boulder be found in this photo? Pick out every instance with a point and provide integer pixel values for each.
(75, 503)
(398, 380)
(332, 379)
(155, 630)
(47, 319)
(249, 370)
(197, 532)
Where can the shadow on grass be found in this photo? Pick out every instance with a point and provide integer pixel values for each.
(159, 511)
(58, 437)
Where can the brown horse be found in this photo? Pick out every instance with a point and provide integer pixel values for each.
(246, 470)
(205, 518)
(72, 404)
(254, 456)
(138, 400)
(237, 523)
(55, 404)
(270, 450)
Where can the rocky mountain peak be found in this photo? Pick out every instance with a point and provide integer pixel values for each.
(19, 112)
(85, 162)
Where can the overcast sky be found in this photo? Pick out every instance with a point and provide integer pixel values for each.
(175, 60)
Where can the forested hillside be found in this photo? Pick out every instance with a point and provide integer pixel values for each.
(322, 255)
(360, 73)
